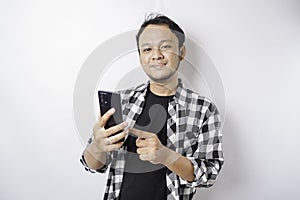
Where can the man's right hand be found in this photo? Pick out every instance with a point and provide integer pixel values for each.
(106, 140)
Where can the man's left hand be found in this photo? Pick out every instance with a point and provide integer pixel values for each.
(151, 149)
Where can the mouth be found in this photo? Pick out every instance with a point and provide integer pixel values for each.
(158, 65)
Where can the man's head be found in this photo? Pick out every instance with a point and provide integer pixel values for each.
(157, 19)
(161, 47)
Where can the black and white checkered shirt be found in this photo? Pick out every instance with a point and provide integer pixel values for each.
(193, 130)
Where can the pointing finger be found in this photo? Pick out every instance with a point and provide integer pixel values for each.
(140, 133)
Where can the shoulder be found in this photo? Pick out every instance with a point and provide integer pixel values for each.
(195, 98)
(203, 104)
(205, 107)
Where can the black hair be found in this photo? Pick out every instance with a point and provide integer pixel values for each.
(159, 19)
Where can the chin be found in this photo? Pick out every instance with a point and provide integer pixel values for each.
(161, 79)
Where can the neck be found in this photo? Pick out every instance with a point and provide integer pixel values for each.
(167, 88)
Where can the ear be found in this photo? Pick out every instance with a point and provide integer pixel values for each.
(182, 53)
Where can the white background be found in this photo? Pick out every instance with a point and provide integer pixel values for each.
(254, 44)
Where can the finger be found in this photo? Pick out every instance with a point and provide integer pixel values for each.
(107, 141)
(114, 129)
(114, 146)
(103, 119)
(140, 133)
(143, 150)
(118, 136)
(140, 142)
(145, 157)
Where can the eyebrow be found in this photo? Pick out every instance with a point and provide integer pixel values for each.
(162, 41)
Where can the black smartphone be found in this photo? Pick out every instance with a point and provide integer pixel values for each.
(108, 100)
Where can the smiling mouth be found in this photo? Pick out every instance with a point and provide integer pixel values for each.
(158, 65)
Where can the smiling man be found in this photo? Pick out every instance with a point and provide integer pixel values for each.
(175, 140)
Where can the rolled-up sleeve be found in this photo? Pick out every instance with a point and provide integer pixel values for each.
(208, 157)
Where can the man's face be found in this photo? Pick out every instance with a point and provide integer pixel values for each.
(159, 52)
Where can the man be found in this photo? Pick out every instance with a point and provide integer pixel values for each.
(177, 133)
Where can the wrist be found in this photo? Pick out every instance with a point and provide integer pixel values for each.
(97, 155)
(93, 149)
(169, 156)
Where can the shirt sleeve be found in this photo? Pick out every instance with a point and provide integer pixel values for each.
(208, 157)
(101, 170)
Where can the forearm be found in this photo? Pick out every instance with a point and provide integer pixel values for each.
(196, 173)
(179, 164)
(183, 168)
(95, 160)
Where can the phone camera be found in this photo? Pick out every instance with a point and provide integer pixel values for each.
(103, 99)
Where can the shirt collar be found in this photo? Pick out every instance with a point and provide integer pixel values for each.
(180, 94)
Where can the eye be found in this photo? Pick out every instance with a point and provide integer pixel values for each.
(166, 46)
(146, 50)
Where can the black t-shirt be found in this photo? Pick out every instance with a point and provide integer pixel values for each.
(142, 179)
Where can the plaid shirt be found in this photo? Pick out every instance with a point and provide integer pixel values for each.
(193, 130)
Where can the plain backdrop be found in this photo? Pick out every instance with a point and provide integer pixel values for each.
(255, 46)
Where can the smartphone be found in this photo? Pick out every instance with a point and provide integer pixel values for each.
(108, 100)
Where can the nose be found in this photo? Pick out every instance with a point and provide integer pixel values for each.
(156, 54)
